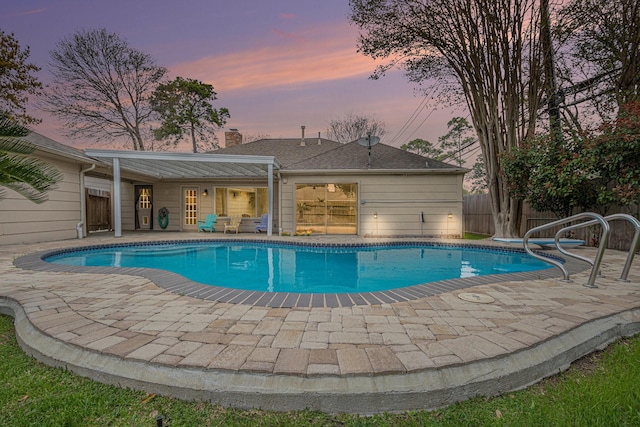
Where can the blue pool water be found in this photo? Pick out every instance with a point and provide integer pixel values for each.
(308, 269)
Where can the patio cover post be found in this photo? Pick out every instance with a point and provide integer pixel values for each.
(270, 185)
(117, 203)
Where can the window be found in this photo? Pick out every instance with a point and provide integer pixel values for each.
(245, 201)
(144, 200)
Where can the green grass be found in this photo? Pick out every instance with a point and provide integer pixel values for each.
(474, 236)
(602, 389)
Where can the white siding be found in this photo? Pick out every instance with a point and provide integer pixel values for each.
(22, 221)
(169, 195)
(398, 200)
(98, 183)
(127, 205)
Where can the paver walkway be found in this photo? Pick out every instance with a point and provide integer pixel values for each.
(423, 353)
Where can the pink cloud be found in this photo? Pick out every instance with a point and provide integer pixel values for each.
(314, 56)
(283, 34)
(287, 15)
(31, 12)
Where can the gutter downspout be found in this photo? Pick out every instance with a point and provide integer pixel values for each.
(83, 201)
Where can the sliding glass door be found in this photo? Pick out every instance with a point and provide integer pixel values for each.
(326, 208)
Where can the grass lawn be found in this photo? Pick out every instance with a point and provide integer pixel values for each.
(474, 236)
(602, 389)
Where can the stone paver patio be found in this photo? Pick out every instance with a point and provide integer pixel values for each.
(422, 353)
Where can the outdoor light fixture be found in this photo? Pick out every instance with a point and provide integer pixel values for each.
(450, 215)
(375, 215)
(205, 193)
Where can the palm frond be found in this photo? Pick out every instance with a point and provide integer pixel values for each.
(10, 128)
(15, 145)
(28, 176)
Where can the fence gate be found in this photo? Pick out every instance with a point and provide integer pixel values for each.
(98, 210)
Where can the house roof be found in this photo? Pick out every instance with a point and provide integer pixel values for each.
(332, 155)
(383, 157)
(253, 159)
(171, 165)
(287, 150)
(163, 165)
(49, 145)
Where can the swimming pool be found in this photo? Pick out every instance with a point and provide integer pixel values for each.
(303, 268)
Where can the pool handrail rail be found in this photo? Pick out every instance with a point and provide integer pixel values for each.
(596, 261)
(635, 243)
(602, 246)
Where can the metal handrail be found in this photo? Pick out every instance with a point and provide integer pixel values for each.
(602, 246)
(596, 261)
(635, 243)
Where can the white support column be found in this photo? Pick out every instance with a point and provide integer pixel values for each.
(117, 202)
(270, 185)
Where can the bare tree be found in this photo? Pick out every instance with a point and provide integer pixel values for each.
(487, 50)
(352, 126)
(101, 87)
(601, 52)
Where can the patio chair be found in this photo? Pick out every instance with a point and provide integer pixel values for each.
(263, 224)
(208, 223)
(234, 224)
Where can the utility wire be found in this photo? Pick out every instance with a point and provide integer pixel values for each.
(421, 123)
(454, 154)
(411, 119)
(414, 116)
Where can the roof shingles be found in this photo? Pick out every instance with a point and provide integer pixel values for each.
(48, 144)
(332, 155)
(288, 150)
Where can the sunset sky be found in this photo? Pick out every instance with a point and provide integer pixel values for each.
(275, 64)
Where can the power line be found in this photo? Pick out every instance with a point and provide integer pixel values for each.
(414, 116)
(467, 156)
(421, 123)
(411, 119)
(454, 154)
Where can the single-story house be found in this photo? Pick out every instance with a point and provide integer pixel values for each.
(304, 185)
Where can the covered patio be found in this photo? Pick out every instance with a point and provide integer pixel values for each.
(159, 166)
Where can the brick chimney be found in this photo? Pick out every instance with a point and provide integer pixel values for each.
(232, 137)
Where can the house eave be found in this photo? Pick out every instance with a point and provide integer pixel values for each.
(78, 158)
(453, 171)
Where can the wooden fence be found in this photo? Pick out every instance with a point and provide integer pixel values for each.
(476, 210)
(98, 210)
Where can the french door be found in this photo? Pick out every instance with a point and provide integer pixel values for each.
(189, 208)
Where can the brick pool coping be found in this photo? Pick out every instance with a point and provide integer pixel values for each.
(183, 286)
